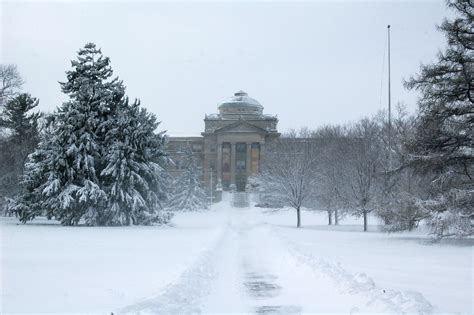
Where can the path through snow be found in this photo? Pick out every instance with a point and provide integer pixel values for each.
(250, 268)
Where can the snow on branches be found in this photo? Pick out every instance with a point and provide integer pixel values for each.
(443, 143)
(189, 194)
(99, 160)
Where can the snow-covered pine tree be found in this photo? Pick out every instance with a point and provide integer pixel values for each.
(188, 192)
(443, 145)
(41, 169)
(69, 177)
(68, 186)
(134, 163)
(19, 120)
(20, 138)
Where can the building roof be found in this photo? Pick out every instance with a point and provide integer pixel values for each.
(240, 104)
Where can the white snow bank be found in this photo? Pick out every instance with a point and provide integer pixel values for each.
(359, 283)
(203, 261)
(48, 268)
(441, 272)
(184, 295)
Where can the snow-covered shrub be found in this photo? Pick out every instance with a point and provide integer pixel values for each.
(402, 214)
(188, 193)
(451, 213)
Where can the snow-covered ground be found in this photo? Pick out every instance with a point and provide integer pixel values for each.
(231, 260)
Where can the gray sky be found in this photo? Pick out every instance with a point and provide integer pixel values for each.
(310, 63)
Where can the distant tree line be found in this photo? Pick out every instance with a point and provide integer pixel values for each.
(423, 172)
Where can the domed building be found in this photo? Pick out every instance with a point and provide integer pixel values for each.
(240, 104)
(232, 144)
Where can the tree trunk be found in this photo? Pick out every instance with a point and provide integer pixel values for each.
(329, 217)
(336, 217)
(365, 221)
(298, 217)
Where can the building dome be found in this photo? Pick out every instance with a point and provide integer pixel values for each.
(240, 104)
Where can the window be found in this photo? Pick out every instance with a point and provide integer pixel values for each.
(226, 164)
(241, 147)
(212, 164)
(254, 158)
(240, 166)
(241, 157)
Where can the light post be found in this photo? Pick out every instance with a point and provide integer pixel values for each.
(210, 204)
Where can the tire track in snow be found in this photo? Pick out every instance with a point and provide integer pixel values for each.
(185, 295)
(400, 302)
(261, 280)
(264, 287)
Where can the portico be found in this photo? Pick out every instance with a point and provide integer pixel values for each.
(237, 160)
(233, 142)
(238, 133)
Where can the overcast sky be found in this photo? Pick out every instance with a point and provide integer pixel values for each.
(310, 63)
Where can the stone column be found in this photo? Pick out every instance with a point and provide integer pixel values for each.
(219, 162)
(249, 168)
(248, 165)
(232, 167)
(261, 153)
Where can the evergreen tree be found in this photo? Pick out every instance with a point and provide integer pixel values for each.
(189, 194)
(71, 175)
(21, 136)
(134, 166)
(443, 143)
(39, 169)
(18, 118)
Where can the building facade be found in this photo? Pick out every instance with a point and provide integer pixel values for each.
(231, 147)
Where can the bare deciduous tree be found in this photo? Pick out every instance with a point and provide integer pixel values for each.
(10, 82)
(362, 167)
(288, 170)
(328, 194)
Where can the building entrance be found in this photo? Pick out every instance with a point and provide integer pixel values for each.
(240, 166)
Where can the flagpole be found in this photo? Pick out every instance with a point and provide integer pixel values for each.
(389, 105)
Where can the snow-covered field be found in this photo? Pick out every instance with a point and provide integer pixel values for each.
(231, 260)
